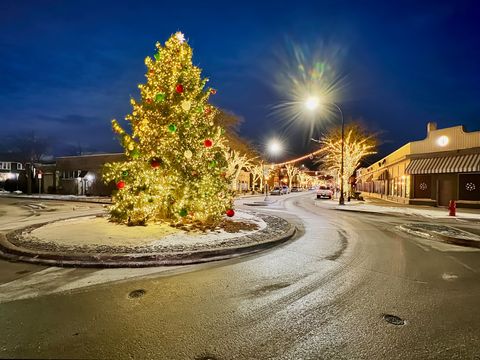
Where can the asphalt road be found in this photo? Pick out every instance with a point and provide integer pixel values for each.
(322, 295)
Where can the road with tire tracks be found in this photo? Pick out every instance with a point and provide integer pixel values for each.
(327, 293)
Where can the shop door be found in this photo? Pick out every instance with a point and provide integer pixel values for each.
(447, 189)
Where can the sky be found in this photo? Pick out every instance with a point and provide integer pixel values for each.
(68, 67)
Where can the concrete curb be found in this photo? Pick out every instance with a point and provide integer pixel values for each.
(433, 235)
(446, 217)
(13, 252)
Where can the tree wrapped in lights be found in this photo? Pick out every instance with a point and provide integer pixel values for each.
(257, 171)
(176, 167)
(304, 179)
(358, 145)
(292, 171)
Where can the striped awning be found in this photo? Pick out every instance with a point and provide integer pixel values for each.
(446, 164)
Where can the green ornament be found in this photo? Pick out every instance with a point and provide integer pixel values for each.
(135, 154)
(124, 173)
(157, 56)
(159, 97)
(200, 109)
(212, 164)
(150, 200)
(183, 212)
(172, 128)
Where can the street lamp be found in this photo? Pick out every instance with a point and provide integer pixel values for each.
(311, 103)
(274, 148)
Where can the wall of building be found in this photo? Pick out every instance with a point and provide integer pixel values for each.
(457, 139)
(388, 178)
(82, 175)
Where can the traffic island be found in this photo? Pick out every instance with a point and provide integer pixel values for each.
(443, 233)
(94, 241)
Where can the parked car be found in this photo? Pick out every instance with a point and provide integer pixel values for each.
(276, 191)
(285, 189)
(296, 189)
(324, 192)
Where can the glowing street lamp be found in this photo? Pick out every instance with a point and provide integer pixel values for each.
(274, 148)
(311, 103)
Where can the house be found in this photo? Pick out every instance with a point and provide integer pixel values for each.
(10, 172)
(82, 175)
(444, 166)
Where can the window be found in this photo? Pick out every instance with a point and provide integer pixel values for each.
(469, 187)
(70, 174)
(5, 166)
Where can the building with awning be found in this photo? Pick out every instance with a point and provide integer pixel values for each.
(444, 166)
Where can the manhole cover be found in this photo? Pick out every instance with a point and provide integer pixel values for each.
(206, 357)
(136, 293)
(393, 319)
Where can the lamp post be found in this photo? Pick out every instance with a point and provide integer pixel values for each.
(341, 200)
(265, 179)
(311, 104)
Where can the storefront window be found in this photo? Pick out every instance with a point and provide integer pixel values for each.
(407, 186)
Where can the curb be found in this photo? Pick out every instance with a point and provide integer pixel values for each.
(446, 217)
(432, 235)
(134, 260)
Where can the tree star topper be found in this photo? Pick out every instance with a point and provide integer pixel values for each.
(180, 37)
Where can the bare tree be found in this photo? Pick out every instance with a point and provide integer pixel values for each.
(236, 162)
(257, 170)
(304, 179)
(358, 145)
(292, 171)
(231, 123)
(30, 147)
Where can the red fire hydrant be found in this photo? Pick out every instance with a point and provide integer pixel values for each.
(452, 208)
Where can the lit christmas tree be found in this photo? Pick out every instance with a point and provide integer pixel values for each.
(176, 169)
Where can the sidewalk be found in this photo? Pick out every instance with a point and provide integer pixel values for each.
(374, 205)
(431, 231)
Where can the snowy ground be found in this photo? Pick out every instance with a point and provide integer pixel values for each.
(431, 230)
(412, 210)
(96, 232)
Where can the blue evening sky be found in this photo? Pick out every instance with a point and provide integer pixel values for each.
(68, 67)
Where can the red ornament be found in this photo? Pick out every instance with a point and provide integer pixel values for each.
(120, 184)
(179, 88)
(223, 174)
(152, 72)
(208, 143)
(207, 110)
(149, 101)
(155, 163)
(230, 212)
(213, 91)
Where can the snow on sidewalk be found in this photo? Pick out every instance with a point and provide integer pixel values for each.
(434, 213)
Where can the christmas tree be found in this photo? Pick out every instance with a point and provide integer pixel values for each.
(176, 168)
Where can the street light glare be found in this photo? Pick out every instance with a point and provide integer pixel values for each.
(312, 103)
(274, 147)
